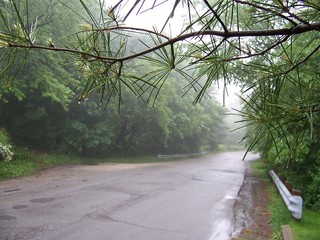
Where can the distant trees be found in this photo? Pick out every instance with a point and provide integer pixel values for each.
(172, 126)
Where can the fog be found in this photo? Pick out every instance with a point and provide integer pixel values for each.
(229, 98)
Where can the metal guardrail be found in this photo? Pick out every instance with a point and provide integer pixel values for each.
(294, 203)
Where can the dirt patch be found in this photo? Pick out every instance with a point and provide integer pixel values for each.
(251, 209)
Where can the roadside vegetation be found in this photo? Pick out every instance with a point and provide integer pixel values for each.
(26, 162)
(306, 228)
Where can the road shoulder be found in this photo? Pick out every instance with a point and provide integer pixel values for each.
(251, 209)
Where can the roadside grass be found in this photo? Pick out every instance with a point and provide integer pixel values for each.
(122, 159)
(280, 215)
(306, 228)
(230, 148)
(48, 160)
(26, 162)
(17, 168)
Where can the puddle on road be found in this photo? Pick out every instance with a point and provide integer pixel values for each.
(7, 217)
(20, 206)
(13, 190)
(41, 200)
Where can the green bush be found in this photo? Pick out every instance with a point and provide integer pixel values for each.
(300, 166)
(5, 152)
(17, 168)
(23, 153)
(221, 148)
(4, 139)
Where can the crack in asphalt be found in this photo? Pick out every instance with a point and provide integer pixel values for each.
(103, 217)
(225, 170)
(12, 190)
(194, 178)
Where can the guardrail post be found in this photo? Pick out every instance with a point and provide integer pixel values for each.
(294, 203)
(286, 232)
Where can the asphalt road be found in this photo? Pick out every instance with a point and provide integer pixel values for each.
(183, 200)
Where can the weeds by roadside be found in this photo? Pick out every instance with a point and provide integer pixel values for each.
(306, 228)
(26, 162)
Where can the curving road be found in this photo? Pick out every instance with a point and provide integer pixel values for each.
(182, 200)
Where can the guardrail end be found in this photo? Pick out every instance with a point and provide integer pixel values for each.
(294, 203)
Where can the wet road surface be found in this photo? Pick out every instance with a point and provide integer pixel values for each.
(182, 200)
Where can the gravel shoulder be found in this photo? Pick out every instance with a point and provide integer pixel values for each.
(251, 209)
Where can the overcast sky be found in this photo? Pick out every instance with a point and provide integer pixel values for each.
(148, 18)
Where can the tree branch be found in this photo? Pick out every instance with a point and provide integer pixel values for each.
(132, 29)
(216, 16)
(267, 10)
(231, 34)
(272, 46)
(303, 61)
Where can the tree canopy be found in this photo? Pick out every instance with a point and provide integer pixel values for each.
(262, 45)
(218, 38)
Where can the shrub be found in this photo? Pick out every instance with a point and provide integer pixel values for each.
(4, 139)
(5, 153)
(221, 148)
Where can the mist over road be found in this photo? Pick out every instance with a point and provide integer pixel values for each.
(183, 200)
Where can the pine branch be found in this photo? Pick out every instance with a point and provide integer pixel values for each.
(226, 35)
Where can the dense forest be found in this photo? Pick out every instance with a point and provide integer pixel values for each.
(172, 126)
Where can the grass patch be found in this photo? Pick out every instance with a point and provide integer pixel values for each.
(48, 160)
(306, 228)
(26, 162)
(17, 168)
(122, 159)
(280, 215)
(260, 170)
(237, 147)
